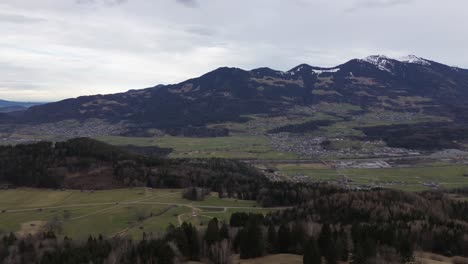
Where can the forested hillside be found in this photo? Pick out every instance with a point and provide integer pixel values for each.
(379, 226)
(84, 163)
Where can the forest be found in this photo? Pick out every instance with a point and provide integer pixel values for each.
(425, 136)
(96, 165)
(322, 222)
(378, 226)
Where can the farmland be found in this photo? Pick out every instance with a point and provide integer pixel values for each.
(243, 147)
(78, 214)
(413, 178)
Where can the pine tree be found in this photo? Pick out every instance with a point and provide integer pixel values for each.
(405, 249)
(212, 232)
(192, 235)
(165, 255)
(358, 256)
(271, 243)
(343, 242)
(251, 239)
(324, 239)
(224, 232)
(284, 238)
(298, 233)
(327, 244)
(312, 253)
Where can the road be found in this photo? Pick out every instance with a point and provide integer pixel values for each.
(195, 212)
(142, 202)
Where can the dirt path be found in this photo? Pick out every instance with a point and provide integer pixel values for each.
(87, 204)
(144, 202)
(196, 209)
(123, 203)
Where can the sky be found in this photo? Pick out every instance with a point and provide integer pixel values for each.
(56, 49)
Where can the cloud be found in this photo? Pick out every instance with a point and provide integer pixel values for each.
(188, 3)
(200, 30)
(88, 48)
(19, 19)
(361, 4)
(104, 2)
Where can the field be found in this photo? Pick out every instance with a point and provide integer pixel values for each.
(235, 147)
(115, 212)
(415, 178)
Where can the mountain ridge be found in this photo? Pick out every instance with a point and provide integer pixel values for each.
(229, 94)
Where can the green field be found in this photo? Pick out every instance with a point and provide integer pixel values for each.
(407, 178)
(239, 147)
(114, 212)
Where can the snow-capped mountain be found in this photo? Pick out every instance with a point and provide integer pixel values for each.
(227, 94)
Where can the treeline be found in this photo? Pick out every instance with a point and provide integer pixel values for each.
(93, 164)
(254, 236)
(90, 162)
(426, 136)
(431, 221)
(329, 225)
(227, 177)
(40, 164)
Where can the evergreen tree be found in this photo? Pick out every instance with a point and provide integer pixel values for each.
(251, 239)
(284, 238)
(405, 249)
(324, 239)
(192, 235)
(342, 244)
(299, 238)
(271, 243)
(327, 245)
(224, 232)
(165, 255)
(312, 253)
(212, 232)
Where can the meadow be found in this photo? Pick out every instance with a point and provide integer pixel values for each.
(78, 214)
(415, 178)
(233, 147)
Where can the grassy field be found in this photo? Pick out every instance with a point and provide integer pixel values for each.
(240, 147)
(410, 179)
(114, 212)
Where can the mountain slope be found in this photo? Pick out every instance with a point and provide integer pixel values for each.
(227, 94)
(10, 104)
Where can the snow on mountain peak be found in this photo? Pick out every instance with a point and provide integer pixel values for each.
(385, 63)
(414, 59)
(382, 62)
(375, 59)
(323, 70)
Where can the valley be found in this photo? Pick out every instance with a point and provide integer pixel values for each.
(238, 164)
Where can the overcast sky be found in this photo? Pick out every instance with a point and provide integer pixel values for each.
(54, 49)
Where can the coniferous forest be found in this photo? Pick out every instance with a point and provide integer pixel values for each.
(322, 222)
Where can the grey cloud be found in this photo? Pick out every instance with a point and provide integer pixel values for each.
(105, 2)
(94, 49)
(377, 4)
(200, 30)
(188, 3)
(19, 19)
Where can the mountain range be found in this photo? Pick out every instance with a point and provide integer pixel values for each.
(10, 106)
(410, 84)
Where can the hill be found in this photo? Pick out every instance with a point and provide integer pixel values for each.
(342, 101)
(10, 106)
(227, 94)
(83, 163)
